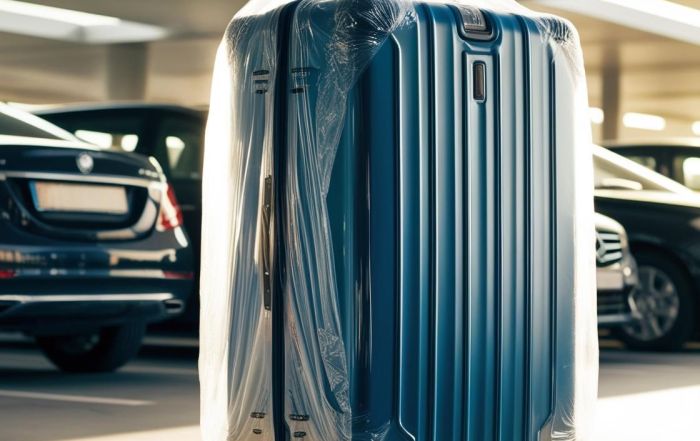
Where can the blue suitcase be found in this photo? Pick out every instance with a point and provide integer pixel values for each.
(396, 230)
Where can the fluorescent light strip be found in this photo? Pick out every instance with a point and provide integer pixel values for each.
(644, 121)
(78, 18)
(659, 17)
(76, 26)
(662, 8)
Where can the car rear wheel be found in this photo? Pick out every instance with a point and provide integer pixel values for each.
(103, 351)
(665, 303)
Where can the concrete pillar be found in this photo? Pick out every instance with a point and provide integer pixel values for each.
(611, 77)
(126, 71)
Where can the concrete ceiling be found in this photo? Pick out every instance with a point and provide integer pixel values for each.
(36, 70)
(658, 75)
(188, 17)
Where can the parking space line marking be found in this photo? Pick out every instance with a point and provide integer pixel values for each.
(145, 369)
(73, 398)
(177, 433)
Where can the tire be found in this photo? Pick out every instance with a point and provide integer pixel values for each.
(665, 299)
(105, 351)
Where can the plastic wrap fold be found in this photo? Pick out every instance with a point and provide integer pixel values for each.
(290, 303)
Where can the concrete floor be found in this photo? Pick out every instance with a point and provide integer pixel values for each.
(643, 397)
(649, 397)
(153, 399)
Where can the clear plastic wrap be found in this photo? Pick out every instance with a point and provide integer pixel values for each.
(243, 215)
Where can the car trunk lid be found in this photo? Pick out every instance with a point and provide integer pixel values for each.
(74, 191)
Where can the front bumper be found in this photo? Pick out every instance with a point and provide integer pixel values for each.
(615, 302)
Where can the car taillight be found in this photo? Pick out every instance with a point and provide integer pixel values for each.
(181, 275)
(170, 212)
(7, 273)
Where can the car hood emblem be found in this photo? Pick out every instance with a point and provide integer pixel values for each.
(600, 248)
(85, 163)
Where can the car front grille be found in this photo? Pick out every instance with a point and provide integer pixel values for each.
(608, 248)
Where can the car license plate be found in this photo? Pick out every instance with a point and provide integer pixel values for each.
(609, 280)
(79, 198)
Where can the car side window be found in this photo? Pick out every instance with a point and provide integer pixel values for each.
(647, 161)
(115, 130)
(180, 143)
(123, 141)
(615, 172)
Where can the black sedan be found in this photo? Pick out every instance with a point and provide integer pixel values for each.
(92, 245)
(662, 219)
(174, 135)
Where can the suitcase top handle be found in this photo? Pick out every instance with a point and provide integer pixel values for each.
(475, 23)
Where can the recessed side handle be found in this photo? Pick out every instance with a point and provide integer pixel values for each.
(266, 243)
(479, 81)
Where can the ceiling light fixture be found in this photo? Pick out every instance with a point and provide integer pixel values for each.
(696, 128)
(596, 115)
(78, 18)
(660, 17)
(18, 17)
(644, 121)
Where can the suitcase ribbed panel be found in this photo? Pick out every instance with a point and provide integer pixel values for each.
(442, 216)
(479, 185)
(540, 218)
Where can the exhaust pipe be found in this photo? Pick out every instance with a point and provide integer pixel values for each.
(174, 306)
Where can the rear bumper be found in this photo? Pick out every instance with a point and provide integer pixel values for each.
(82, 305)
